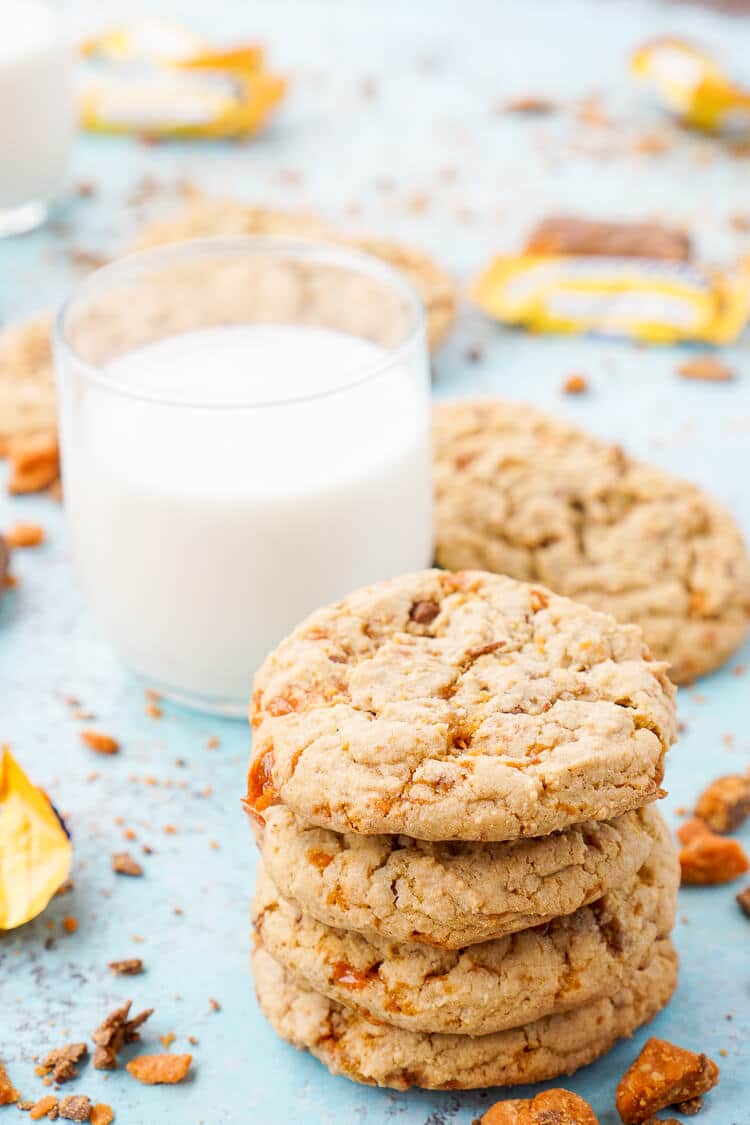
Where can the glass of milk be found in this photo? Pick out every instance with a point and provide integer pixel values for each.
(37, 118)
(245, 436)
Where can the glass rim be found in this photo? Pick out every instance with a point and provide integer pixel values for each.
(128, 265)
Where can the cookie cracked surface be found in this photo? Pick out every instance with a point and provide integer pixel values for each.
(525, 494)
(376, 1053)
(459, 706)
(488, 987)
(452, 894)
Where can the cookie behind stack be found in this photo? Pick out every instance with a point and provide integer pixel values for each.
(462, 883)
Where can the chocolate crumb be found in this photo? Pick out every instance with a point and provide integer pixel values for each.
(124, 864)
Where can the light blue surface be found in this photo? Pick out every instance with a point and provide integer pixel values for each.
(438, 68)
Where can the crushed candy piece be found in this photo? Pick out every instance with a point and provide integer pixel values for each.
(61, 1062)
(101, 743)
(34, 462)
(743, 901)
(114, 1032)
(25, 535)
(662, 1075)
(706, 368)
(575, 385)
(552, 1107)
(725, 804)
(707, 859)
(124, 864)
(657, 302)
(45, 1107)
(8, 1093)
(35, 850)
(571, 235)
(154, 1070)
(75, 1107)
(102, 1114)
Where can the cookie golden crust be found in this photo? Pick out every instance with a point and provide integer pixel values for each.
(524, 494)
(376, 1053)
(205, 218)
(27, 381)
(487, 987)
(459, 706)
(450, 895)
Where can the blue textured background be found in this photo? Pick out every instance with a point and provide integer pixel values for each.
(390, 127)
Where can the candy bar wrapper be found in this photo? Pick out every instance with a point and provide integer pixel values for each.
(693, 86)
(640, 299)
(35, 849)
(159, 80)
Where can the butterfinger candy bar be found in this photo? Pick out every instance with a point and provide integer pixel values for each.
(650, 301)
(693, 85)
(35, 850)
(566, 234)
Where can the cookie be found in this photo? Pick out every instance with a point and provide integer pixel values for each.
(524, 494)
(459, 706)
(212, 217)
(376, 1053)
(453, 894)
(27, 381)
(487, 987)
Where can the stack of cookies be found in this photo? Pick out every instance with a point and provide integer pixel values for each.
(464, 881)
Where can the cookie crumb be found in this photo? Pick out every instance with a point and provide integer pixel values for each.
(34, 462)
(101, 743)
(530, 104)
(214, 1005)
(575, 385)
(124, 864)
(75, 1107)
(213, 742)
(114, 1032)
(167, 1040)
(25, 535)
(70, 924)
(663, 1075)
(61, 1062)
(130, 967)
(706, 367)
(154, 1070)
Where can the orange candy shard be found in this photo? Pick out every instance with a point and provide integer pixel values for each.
(155, 1070)
(663, 1075)
(560, 1107)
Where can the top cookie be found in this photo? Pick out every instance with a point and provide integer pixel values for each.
(524, 494)
(459, 706)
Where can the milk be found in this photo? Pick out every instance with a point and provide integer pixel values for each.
(205, 533)
(36, 107)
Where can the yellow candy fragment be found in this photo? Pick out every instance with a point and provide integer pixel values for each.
(692, 85)
(651, 301)
(35, 852)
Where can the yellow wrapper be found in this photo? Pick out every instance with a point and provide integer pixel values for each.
(162, 43)
(156, 78)
(181, 103)
(692, 85)
(652, 301)
(35, 852)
